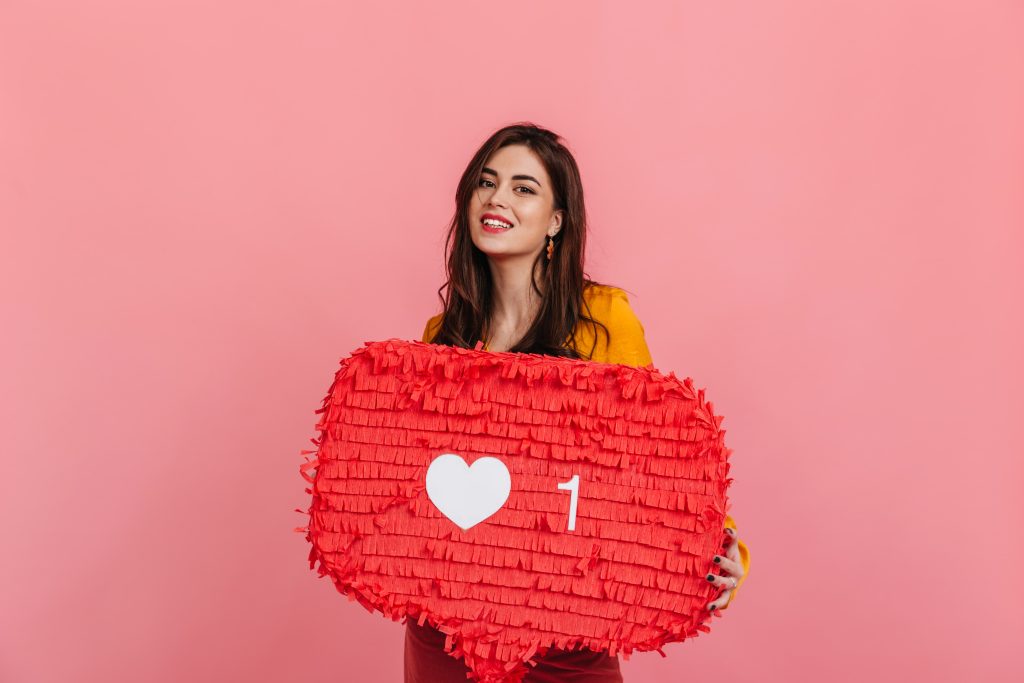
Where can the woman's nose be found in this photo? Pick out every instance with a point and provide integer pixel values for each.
(498, 198)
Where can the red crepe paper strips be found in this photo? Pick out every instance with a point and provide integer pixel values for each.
(614, 483)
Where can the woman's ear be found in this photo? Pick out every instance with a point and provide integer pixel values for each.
(556, 222)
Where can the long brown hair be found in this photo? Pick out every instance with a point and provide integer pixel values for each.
(467, 291)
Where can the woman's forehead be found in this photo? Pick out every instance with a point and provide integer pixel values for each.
(517, 161)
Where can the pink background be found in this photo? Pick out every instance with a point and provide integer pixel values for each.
(818, 208)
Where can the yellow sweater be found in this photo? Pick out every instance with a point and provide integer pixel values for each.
(610, 305)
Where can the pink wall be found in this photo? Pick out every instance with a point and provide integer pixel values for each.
(818, 207)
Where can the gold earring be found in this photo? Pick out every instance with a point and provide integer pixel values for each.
(551, 246)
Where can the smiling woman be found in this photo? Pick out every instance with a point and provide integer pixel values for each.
(516, 282)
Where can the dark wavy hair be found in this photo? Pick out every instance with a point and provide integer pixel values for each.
(467, 291)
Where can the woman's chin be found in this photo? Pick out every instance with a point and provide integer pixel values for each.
(502, 254)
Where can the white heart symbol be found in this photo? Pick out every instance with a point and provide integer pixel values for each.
(467, 494)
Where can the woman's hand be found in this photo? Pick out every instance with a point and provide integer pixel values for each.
(732, 570)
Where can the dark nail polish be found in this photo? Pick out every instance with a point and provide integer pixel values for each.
(718, 560)
(712, 608)
(711, 577)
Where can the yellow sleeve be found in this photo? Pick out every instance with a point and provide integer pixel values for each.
(430, 329)
(610, 305)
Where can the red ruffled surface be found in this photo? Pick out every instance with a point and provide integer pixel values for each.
(653, 471)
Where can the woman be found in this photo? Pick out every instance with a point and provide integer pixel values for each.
(516, 283)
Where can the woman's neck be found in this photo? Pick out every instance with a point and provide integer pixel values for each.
(514, 305)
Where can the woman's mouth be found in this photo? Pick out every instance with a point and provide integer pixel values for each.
(494, 225)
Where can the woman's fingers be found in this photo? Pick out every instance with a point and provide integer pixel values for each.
(724, 581)
(729, 566)
(732, 548)
(722, 599)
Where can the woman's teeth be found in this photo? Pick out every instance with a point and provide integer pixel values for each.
(496, 224)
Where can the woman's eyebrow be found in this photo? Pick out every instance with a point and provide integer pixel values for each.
(515, 177)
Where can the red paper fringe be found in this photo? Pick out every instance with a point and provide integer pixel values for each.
(653, 470)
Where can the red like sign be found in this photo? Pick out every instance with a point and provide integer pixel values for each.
(517, 501)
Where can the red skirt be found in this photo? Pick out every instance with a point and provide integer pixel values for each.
(427, 662)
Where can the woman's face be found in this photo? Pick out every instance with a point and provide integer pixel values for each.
(513, 187)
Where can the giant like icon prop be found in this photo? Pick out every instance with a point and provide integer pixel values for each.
(518, 502)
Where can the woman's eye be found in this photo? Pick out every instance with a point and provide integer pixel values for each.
(489, 184)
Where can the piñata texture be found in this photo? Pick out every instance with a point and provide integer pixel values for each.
(615, 562)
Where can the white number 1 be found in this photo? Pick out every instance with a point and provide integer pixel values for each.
(574, 486)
